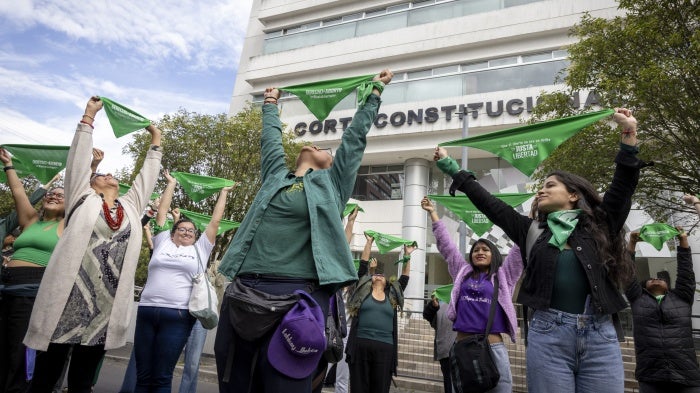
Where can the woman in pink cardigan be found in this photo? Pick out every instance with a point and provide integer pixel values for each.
(473, 290)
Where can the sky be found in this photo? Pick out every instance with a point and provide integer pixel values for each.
(154, 57)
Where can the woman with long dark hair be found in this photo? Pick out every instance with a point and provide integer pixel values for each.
(575, 269)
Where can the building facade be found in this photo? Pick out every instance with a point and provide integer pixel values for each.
(461, 67)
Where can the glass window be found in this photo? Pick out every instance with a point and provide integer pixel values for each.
(350, 17)
(537, 57)
(381, 24)
(560, 53)
(398, 7)
(448, 86)
(273, 34)
(378, 186)
(445, 70)
(395, 94)
(369, 14)
(475, 66)
(419, 74)
(477, 6)
(331, 22)
(423, 15)
(503, 61)
(513, 3)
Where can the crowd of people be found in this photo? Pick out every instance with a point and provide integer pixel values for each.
(68, 279)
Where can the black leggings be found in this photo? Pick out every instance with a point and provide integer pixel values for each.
(81, 373)
(370, 370)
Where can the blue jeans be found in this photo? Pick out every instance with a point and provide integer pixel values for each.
(161, 333)
(129, 382)
(193, 352)
(500, 356)
(573, 352)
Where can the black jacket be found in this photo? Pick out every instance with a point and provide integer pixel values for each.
(663, 340)
(538, 280)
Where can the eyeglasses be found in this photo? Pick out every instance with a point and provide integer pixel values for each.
(186, 230)
(55, 195)
(327, 150)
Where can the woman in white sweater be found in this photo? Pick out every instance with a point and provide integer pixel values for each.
(85, 297)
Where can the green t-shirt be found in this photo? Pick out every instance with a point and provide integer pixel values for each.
(286, 220)
(570, 284)
(376, 320)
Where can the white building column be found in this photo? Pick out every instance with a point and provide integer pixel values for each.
(416, 177)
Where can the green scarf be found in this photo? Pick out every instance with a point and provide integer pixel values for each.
(42, 161)
(525, 147)
(202, 220)
(444, 293)
(199, 187)
(321, 97)
(562, 223)
(123, 120)
(386, 243)
(657, 234)
(350, 207)
(463, 207)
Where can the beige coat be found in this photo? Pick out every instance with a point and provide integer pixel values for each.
(67, 257)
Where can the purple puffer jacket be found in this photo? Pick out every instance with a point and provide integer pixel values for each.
(508, 274)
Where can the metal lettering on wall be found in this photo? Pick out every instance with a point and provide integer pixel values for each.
(513, 107)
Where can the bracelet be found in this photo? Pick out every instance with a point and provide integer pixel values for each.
(270, 98)
(7, 168)
(89, 117)
(84, 122)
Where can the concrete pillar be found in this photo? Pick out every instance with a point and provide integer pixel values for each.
(416, 176)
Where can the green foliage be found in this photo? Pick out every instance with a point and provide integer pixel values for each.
(648, 61)
(211, 145)
(7, 203)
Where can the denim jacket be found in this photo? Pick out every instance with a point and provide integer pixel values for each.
(327, 192)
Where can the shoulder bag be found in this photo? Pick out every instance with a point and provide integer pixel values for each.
(472, 365)
(203, 303)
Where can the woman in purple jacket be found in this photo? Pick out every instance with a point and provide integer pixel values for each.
(473, 290)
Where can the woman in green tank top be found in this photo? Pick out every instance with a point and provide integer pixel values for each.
(22, 274)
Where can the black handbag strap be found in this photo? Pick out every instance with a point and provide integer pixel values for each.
(494, 302)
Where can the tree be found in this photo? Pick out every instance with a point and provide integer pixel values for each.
(648, 60)
(212, 145)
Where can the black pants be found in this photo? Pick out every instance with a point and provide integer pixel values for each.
(666, 387)
(370, 370)
(446, 376)
(251, 371)
(15, 311)
(83, 366)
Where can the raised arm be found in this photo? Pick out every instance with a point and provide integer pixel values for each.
(272, 158)
(77, 177)
(633, 290)
(217, 214)
(350, 224)
(365, 257)
(97, 157)
(166, 199)
(694, 201)
(26, 214)
(348, 157)
(445, 245)
(685, 278)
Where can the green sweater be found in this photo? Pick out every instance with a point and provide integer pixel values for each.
(327, 191)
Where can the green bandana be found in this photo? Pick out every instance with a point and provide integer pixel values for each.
(350, 207)
(562, 223)
(444, 293)
(322, 97)
(657, 234)
(659, 298)
(123, 188)
(525, 147)
(123, 120)
(202, 220)
(465, 209)
(42, 161)
(386, 243)
(199, 187)
(356, 262)
(166, 226)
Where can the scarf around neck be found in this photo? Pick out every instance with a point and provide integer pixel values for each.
(562, 223)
